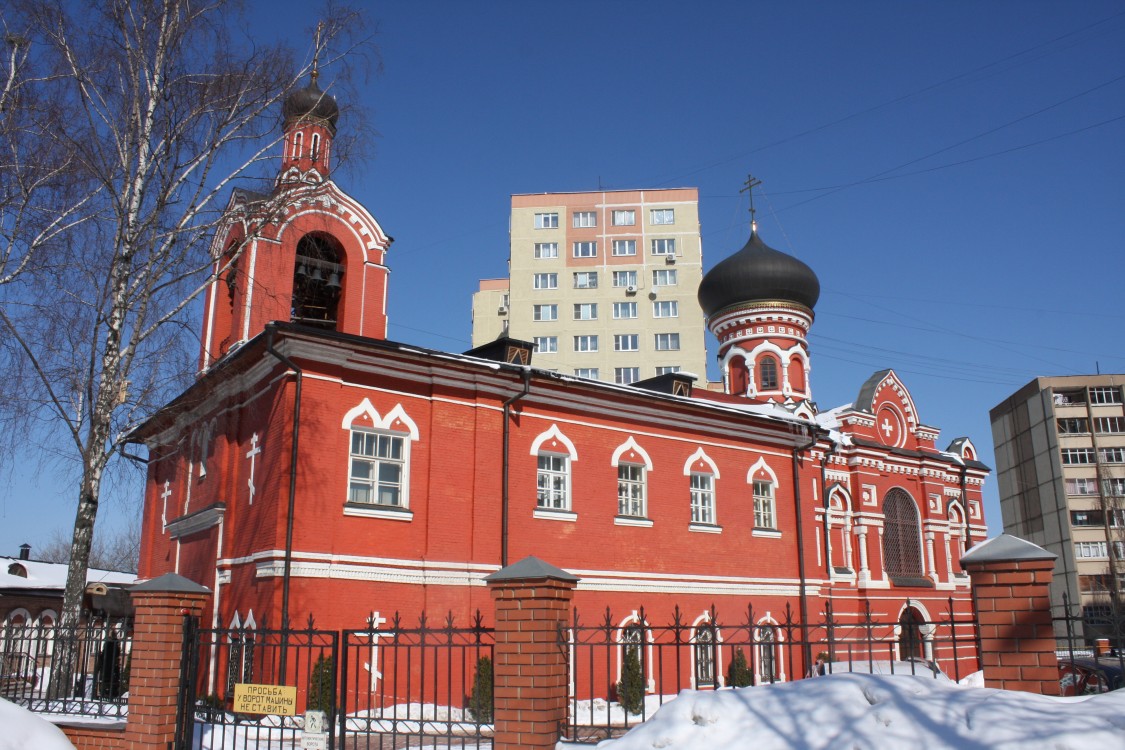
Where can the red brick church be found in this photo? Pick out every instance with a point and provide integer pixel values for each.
(317, 467)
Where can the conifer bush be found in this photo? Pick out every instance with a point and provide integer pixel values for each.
(480, 702)
(739, 674)
(631, 688)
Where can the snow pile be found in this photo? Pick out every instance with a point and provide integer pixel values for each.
(878, 712)
(23, 730)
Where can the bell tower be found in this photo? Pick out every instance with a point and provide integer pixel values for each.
(306, 252)
(759, 305)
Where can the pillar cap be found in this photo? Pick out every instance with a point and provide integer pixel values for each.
(171, 583)
(1006, 548)
(530, 568)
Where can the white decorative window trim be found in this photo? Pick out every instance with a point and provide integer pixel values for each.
(365, 418)
(375, 511)
(193, 523)
(631, 521)
(631, 445)
(705, 528)
(555, 515)
(558, 440)
(766, 533)
(699, 455)
(761, 465)
(396, 420)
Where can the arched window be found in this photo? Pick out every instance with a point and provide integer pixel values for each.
(767, 374)
(738, 377)
(554, 454)
(633, 465)
(911, 644)
(298, 144)
(314, 152)
(764, 514)
(902, 537)
(767, 654)
(704, 648)
(316, 280)
(240, 654)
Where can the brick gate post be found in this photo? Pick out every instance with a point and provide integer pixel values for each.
(532, 601)
(1011, 579)
(154, 672)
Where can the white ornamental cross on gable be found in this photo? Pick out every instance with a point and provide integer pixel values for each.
(167, 493)
(888, 428)
(252, 454)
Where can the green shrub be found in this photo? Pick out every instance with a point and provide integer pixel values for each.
(322, 687)
(739, 674)
(480, 702)
(631, 688)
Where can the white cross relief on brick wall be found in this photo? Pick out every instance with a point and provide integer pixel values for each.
(252, 454)
(888, 428)
(167, 493)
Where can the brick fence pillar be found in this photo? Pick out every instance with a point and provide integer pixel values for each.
(1011, 579)
(532, 601)
(154, 672)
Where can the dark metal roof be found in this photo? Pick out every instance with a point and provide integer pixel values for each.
(1006, 548)
(172, 583)
(757, 272)
(311, 102)
(530, 568)
(863, 402)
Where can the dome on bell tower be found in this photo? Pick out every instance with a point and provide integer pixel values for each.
(311, 102)
(758, 273)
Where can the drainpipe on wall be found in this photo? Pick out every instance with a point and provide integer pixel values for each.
(292, 488)
(504, 490)
(803, 597)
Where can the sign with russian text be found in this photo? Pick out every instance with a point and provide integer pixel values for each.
(265, 699)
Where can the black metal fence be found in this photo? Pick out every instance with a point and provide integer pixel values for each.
(413, 687)
(215, 661)
(1090, 646)
(621, 670)
(92, 660)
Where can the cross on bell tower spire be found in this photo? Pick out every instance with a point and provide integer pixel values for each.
(751, 183)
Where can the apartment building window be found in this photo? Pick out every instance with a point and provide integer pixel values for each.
(667, 342)
(664, 247)
(547, 221)
(586, 343)
(553, 482)
(702, 498)
(585, 249)
(624, 278)
(1072, 425)
(626, 375)
(546, 250)
(667, 369)
(586, 311)
(1092, 583)
(631, 490)
(1111, 425)
(666, 309)
(663, 216)
(1112, 455)
(664, 277)
(1107, 394)
(1095, 518)
(547, 344)
(624, 217)
(587, 372)
(1113, 487)
(1081, 486)
(1090, 549)
(545, 281)
(624, 310)
(624, 247)
(1077, 456)
(586, 280)
(584, 219)
(626, 342)
(544, 312)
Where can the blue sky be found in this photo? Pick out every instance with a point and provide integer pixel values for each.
(951, 170)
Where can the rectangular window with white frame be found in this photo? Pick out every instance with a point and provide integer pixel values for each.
(664, 277)
(544, 250)
(626, 375)
(585, 249)
(1105, 394)
(586, 311)
(631, 490)
(626, 342)
(702, 498)
(624, 217)
(1090, 550)
(586, 280)
(624, 247)
(547, 221)
(378, 468)
(547, 344)
(553, 482)
(1112, 455)
(666, 309)
(667, 369)
(1077, 456)
(666, 246)
(624, 279)
(663, 216)
(1082, 486)
(624, 310)
(764, 516)
(543, 313)
(667, 342)
(582, 219)
(1114, 487)
(1109, 425)
(545, 281)
(586, 343)
(590, 373)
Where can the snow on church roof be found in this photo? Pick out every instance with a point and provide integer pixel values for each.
(52, 576)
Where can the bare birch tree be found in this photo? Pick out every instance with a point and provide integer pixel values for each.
(155, 106)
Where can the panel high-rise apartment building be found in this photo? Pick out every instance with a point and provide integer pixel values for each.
(1060, 455)
(603, 282)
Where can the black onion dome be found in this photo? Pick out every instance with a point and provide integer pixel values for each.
(757, 272)
(311, 102)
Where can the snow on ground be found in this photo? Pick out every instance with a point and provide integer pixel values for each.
(22, 730)
(878, 712)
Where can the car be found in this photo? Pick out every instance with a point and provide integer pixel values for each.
(1089, 676)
